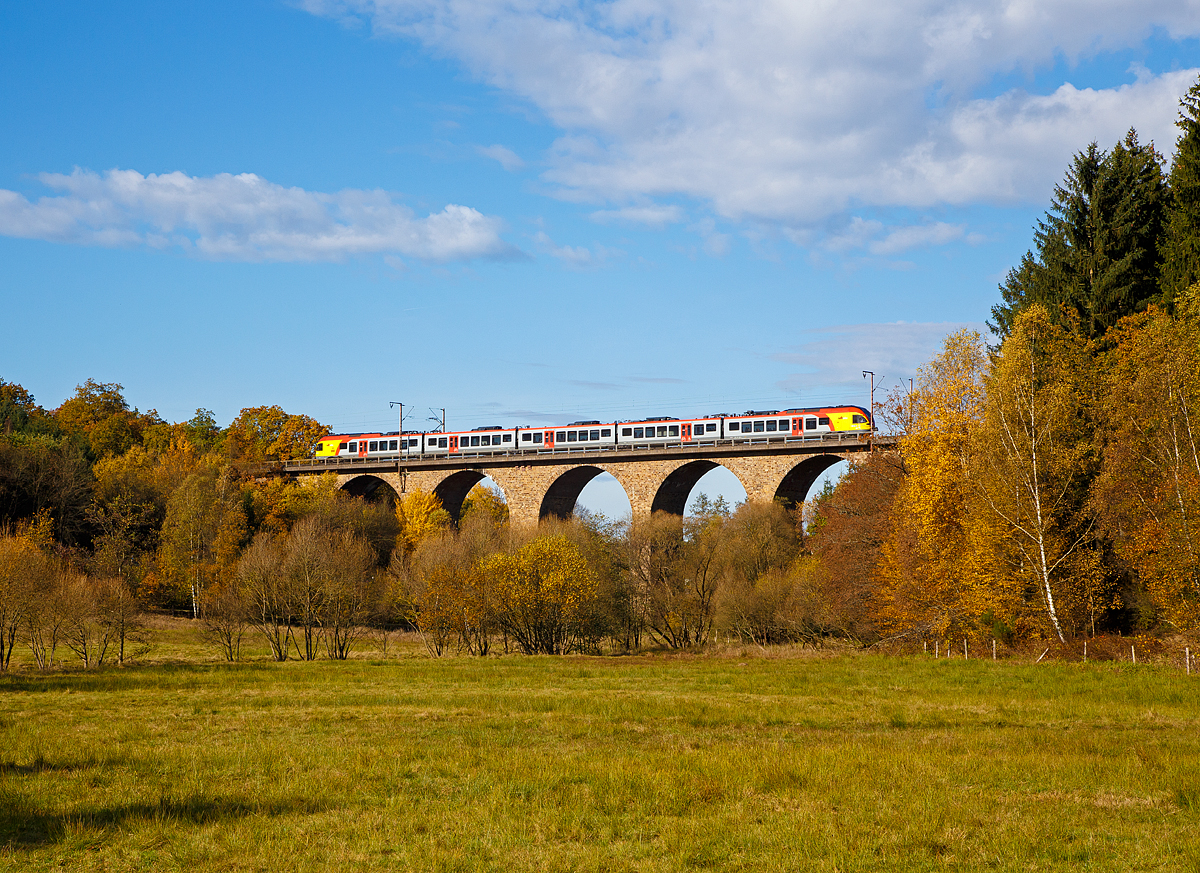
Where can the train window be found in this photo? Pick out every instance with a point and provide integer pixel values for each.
(560, 436)
(393, 445)
(537, 437)
(474, 441)
(442, 443)
(571, 437)
(783, 424)
(823, 422)
(353, 447)
(673, 430)
(593, 434)
(638, 433)
(758, 426)
(626, 431)
(810, 424)
(771, 426)
(606, 433)
(859, 419)
(508, 437)
(662, 431)
(737, 426)
(710, 427)
(485, 440)
(526, 437)
(795, 424)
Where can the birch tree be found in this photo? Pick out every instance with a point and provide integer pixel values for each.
(1033, 459)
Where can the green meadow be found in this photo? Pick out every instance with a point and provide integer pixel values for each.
(652, 763)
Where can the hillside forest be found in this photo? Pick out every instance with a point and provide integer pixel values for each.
(1046, 490)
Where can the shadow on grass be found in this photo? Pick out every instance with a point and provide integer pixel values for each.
(23, 826)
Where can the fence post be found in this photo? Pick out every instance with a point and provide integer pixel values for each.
(993, 648)
(1132, 654)
(964, 648)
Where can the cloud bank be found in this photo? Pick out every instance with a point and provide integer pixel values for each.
(242, 218)
(794, 114)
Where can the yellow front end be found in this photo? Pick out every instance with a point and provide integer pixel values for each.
(845, 421)
(328, 448)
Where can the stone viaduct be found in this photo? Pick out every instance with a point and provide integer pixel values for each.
(542, 484)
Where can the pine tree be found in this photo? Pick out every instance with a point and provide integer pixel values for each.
(1097, 249)
(1181, 244)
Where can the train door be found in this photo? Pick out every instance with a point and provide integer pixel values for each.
(796, 425)
(453, 445)
(549, 439)
(687, 433)
(362, 448)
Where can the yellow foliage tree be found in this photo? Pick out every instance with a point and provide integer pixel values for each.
(420, 515)
(543, 594)
(268, 433)
(930, 574)
(1033, 460)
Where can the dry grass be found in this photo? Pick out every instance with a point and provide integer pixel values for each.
(851, 762)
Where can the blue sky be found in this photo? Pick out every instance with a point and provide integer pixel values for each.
(531, 212)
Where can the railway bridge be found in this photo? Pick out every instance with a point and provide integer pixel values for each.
(539, 484)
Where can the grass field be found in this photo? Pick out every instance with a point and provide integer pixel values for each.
(852, 762)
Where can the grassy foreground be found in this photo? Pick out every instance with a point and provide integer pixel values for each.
(658, 764)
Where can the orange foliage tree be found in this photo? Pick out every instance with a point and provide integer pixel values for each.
(1148, 493)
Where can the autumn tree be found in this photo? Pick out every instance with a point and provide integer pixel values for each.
(930, 579)
(23, 569)
(266, 433)
(542, 591)
(99, 413)
(203, 530)
(847, 531)
(265, 592)
(760, 595)
(486, 500)
(674, 564)
(419, 515)
(1148, 493)
(1033, 462)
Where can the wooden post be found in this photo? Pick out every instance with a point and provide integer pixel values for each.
(935, 648)
(964, 648)
(1132, 654)
(1187, 660)
(925, 647)
(993, 648)
(1085, 651)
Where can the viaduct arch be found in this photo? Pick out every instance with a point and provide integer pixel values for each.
(534, 492)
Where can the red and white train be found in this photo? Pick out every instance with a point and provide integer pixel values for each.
(647, 433)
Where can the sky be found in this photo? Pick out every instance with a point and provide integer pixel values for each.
(537, 211)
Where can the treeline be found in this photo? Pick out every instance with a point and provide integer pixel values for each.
(1049, 486)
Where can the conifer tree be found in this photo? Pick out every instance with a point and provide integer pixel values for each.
(1096, 252)
(1181, 242)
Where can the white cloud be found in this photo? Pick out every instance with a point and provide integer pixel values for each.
(575, 256)
(904, 238)
(506, 157)
(789, 113)
(242, 218)
(653, 215)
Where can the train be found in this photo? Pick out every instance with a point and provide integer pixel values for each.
(655, 432)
